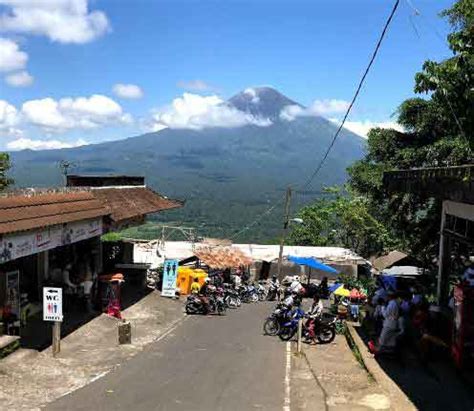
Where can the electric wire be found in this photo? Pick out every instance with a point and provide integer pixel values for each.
(341, 126)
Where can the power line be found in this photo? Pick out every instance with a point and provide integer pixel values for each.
(341, 126)
(356, 94)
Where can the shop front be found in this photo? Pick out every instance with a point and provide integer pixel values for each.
(50, 239)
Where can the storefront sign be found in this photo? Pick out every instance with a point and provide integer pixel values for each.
(52, 304)
(170, 271)
(32, 242)
(13, 293)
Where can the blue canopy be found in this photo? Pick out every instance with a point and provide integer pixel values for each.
(313, 263)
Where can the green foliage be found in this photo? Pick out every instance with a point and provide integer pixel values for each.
(344, 220)
(439, 131)
(111, 237)
(5, 165)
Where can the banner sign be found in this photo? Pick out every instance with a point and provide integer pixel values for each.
(52, 304)
(13, 246)
(13, 293)
(170, 272)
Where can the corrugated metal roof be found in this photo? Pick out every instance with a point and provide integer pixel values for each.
(131, 202)
(388, 260)
(23, 212)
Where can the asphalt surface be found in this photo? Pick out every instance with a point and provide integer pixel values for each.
(207, 363)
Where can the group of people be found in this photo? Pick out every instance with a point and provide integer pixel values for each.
(402, 317)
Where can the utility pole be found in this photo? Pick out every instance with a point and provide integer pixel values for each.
(286, 221)
(65, 165)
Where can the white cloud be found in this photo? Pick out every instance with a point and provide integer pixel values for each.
(317, 108)
(131, 91)
(253, 94)
(11, 57)
(363, 127)
(74, 113)
(63, 21)
(26, 143)
(195, 85)
(192, 111)
(9, 120)
(20, 79)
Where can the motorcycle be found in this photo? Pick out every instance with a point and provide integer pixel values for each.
(216, 301)
(248, 294)
(261, 292)
(273, 292)
(272, 323)
(194, 305)
(317, 329)
(290, 327)
(231, 298)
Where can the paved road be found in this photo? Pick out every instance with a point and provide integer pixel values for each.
(207, 363)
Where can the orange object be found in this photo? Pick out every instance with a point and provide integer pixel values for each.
(186, 276)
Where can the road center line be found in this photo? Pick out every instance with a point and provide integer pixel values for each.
(286, 406)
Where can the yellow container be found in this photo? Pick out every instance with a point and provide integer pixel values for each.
(186, 276)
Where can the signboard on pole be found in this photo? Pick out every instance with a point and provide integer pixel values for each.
(52, 304)
(170, 272)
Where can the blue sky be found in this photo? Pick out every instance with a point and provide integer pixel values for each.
(62, 58)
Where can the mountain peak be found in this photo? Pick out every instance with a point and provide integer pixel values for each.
(261, 101)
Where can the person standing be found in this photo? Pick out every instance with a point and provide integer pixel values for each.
(390, 331)
(195, 286)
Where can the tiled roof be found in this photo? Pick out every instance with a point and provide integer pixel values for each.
(127, 203)
(222, 257)
(29, 211)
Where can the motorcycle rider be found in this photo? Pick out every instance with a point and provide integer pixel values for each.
(203, 295)
(317, 307)
(296, 286)
(275, 285)
(313, 315)
(195, 286)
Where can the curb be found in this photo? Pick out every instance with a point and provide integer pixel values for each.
(399, 400)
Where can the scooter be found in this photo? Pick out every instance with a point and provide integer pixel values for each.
(289, 328)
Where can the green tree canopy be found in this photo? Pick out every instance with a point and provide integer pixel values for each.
(438, 131)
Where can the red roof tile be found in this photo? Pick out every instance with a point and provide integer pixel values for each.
(27, 211)
(222, 257)
(130, 202)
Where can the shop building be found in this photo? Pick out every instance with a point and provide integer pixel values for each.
(53, 238)
(47, 238)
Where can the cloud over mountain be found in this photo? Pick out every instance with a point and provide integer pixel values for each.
(195, 112)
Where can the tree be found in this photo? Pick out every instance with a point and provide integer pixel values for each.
(5, 165)
(439, 131)
(344, 221)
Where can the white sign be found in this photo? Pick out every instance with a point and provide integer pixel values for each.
(13, 246)
(52, 304)
(170, 272)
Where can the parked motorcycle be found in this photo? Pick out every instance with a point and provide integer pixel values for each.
(289, 328)
(261, 292)
(231, 298)
(273, 323)
(273, 292)
(194, 305)
(248, 294)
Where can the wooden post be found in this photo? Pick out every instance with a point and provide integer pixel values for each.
(56, 338)
(300, 332)
(285, 228)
